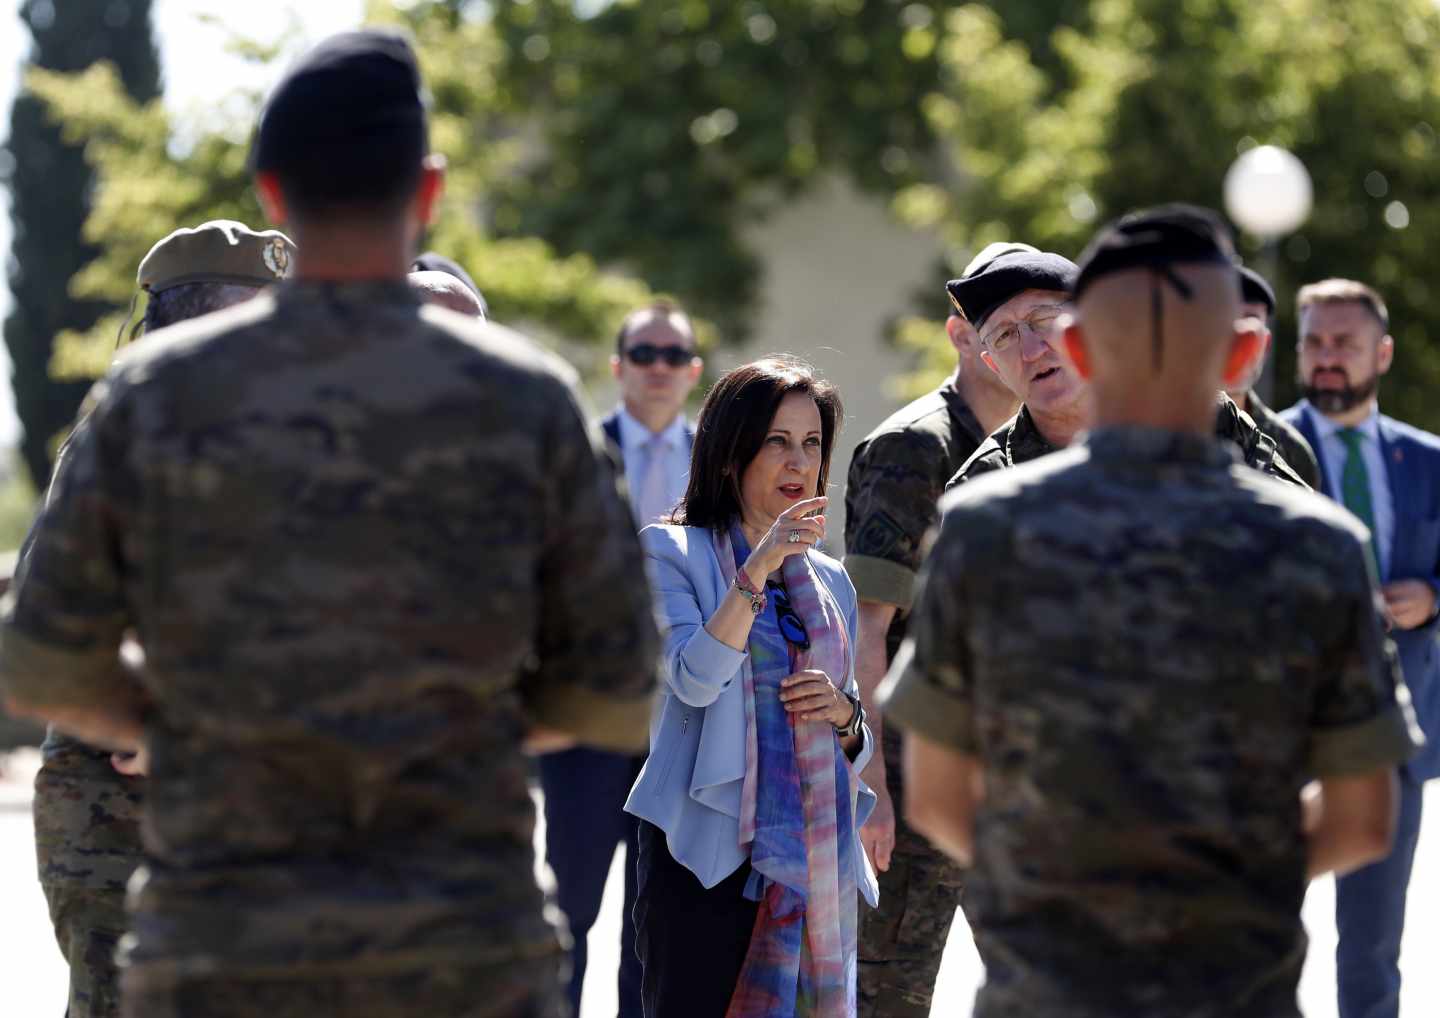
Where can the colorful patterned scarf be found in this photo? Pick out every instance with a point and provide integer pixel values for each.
(796, 808)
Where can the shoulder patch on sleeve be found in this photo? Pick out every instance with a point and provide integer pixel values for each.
(878, 534)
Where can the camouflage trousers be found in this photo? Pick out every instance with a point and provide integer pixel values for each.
(88, 925)
(529, 988)
(902, 941)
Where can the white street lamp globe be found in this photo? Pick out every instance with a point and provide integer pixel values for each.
(1268, 192)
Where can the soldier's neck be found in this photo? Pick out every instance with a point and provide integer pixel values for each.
(1241, 398)
(1134, 406)
(347, 252)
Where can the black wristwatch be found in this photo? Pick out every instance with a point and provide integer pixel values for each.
(857, 719)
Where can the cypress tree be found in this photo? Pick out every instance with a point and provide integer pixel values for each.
(50, 186)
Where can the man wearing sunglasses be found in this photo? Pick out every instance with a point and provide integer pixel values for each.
(656, 364)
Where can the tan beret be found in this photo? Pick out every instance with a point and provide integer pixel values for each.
(220, 251)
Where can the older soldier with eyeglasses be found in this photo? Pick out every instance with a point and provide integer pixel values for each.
(1014, 304)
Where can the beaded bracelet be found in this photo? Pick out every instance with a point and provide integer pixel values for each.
(748, 589)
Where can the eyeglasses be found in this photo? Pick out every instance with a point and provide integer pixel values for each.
(1040, 321)
(790, 625)
(645, 354)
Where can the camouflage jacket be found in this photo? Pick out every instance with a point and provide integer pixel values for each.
(1293, 447)
(87, 819)
(365, 545)
(1020, 441)
(897, 476)
(1151, 649)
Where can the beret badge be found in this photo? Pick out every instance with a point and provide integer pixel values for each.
(276, 257)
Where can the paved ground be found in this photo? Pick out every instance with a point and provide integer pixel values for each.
(32, 974)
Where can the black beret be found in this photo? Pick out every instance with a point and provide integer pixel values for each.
(992, 251)
(976, 296)
(353, 92)
(1155, 238)
(433, 261)
(1255, 289)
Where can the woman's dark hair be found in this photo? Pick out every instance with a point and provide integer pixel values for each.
(733, 423)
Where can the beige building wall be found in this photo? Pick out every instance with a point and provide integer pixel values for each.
(838, 270)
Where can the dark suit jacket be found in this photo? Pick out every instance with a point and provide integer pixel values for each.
(1412, 459)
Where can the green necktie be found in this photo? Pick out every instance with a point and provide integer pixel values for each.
(1355, 486)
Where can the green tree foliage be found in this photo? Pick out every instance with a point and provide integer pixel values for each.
(1153, 99)
(666, 125)
(50, 186)
(154, 175)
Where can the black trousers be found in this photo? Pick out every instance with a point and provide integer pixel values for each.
(585, 820)
(691, 942)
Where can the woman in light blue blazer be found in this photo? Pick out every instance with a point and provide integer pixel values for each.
(750, 868)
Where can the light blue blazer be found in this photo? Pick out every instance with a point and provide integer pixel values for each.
(690, 785)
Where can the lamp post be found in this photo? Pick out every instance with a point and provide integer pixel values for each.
(1269, 195)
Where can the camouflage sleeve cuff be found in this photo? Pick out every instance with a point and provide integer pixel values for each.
(916, 704)
(878, 579)
(40, 674)
(594, 719)
(1386, 740)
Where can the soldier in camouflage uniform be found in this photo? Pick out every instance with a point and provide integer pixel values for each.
(87, 813)
(369, 549)
(1257, 300)
(14, 732)
(896, 478)
(1125, 663)
(1016, 308)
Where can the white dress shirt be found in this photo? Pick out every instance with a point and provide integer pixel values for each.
(675, 463)
(1333, 452)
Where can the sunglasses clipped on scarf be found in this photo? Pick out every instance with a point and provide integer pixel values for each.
(791, 626)
(645, 354)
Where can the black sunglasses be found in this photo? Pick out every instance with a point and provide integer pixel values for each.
(645, 354)
(791, 627)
